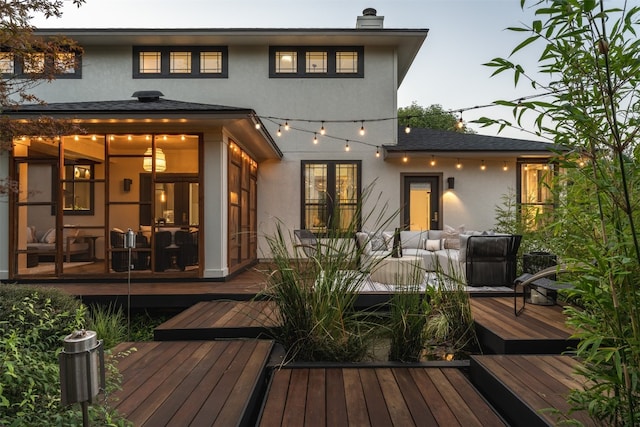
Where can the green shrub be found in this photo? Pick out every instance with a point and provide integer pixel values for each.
(34, 322)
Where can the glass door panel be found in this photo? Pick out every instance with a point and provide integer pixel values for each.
(421, 198)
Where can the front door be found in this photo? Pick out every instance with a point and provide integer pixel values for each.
(421, 202)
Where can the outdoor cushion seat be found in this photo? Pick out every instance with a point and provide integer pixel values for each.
(163, 250)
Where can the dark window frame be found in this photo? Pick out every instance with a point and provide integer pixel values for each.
(56, 184)
(165, 53)
(522, 204)
(301, 52)
(18, 66)
(330, 190)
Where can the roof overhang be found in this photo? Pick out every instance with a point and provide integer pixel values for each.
(406, 42)
(240, 123)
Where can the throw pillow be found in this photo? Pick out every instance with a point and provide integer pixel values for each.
(388, 239)
(377, 242)
(49, 236)
(451, 237)
(31, 235)
(432, 245)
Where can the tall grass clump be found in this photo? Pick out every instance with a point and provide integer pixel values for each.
(450, 332)
(109, 322)
(315, 295)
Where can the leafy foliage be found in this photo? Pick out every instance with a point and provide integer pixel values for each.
(589, 55)
(431, 117)
(34, 323)
(16, 36)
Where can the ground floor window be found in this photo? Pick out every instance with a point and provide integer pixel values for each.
(535, 191)
(331, 193)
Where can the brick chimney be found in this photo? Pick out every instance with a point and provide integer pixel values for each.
(369, 20)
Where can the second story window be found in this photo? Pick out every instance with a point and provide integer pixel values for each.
(7, 63)
(341, 62)
(179, 62)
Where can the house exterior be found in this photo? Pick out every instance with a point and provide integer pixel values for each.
(201, 140)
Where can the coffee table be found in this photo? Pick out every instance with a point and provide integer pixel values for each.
(406, 270)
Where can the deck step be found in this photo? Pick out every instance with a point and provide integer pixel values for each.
(529, 390)
(537, 330)
(219, 319)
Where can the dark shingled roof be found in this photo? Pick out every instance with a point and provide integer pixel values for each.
(432, 140)
(126, 106)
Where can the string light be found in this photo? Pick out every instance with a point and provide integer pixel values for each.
(257, 126)
(460, 124)
(458, 164)
(505, 167)
(482, 166)
(405, 158)
(315, 138)
(346, 147)
(433, 160)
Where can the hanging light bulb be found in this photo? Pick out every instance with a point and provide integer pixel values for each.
(315, 138)
(407, 129)
(279, 133)
(257, 126)
(362, 128)
(405, 158)
(346, 147)
(458, 164)
(460, 123)
(482, 166)
(286, 125)
(505, 167)
(377, 152)
(433, 160)
(322, 130)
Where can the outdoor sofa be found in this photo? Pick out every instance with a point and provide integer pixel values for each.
(477, 258)
(42, 243)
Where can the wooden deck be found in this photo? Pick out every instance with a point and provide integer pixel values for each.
(537, 330)
(402, 396)
(214, 383)
(525, 388)
(219, 319)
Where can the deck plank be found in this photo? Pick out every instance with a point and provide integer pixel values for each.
(337, 415)
(191, 383)
(538, 385)
(375, 396)
(354, 396)
(276, 399)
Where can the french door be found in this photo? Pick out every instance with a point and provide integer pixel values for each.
(421, 204)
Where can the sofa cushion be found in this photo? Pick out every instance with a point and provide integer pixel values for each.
(435, 234)
(413, 239)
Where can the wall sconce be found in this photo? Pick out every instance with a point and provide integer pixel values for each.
(127, 184)
(451, 182)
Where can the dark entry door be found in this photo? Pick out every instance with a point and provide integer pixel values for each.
(421, 202)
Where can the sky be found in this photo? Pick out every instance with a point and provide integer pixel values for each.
(448, 70)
